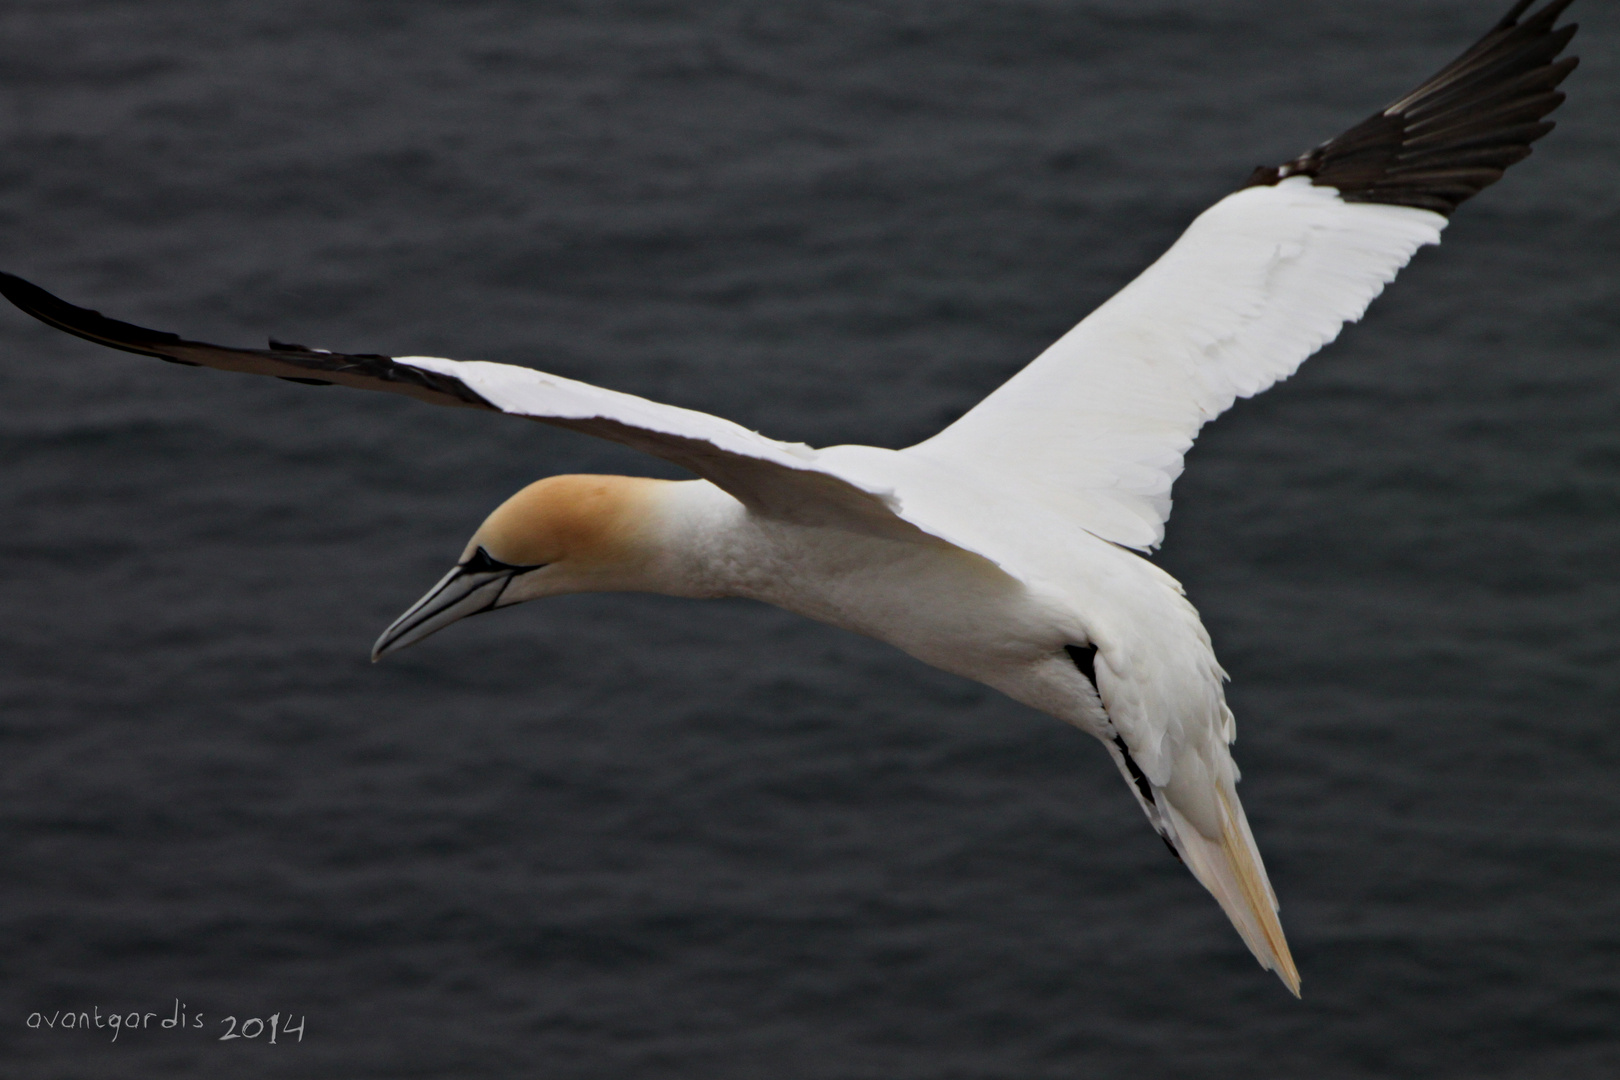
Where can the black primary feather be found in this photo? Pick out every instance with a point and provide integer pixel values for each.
(1456, 134)
(295, 363)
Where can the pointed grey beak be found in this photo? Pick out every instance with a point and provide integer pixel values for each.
(472, 587)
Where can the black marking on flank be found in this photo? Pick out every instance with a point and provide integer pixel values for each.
(482, 562)
(1085, 658)
(1166, 838)
(1137, 776)
(1457, 133)
(306, 382)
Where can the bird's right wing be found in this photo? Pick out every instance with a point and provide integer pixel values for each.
(780, 479)
(1096, 427)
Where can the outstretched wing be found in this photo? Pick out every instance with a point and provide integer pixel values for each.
(1097, 426)
(777, 478)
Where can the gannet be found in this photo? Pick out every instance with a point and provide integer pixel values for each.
(1005, 548)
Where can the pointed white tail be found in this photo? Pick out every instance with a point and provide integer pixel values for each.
(1232, 871)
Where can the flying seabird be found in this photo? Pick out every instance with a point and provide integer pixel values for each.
(1002, 548)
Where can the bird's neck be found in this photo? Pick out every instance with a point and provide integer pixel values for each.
(695, 541)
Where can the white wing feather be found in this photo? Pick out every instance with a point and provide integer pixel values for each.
(1097, 426)
(785, 480)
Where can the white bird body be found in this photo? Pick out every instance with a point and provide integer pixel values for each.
(947, 607)
(997, 550)
(1152, 693)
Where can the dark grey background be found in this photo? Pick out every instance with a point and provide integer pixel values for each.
(623, 836)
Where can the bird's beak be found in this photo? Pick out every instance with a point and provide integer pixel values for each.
(472, 587)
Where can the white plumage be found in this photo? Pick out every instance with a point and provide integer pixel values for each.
(1258, 283)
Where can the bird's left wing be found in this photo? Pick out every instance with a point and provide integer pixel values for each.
(1095, 427)
(779, 479)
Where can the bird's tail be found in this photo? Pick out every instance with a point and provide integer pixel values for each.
(1230, 868)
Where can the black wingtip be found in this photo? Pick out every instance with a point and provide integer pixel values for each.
(1512, 17)
(1545, 15)
(85, 323)
(1458, 132)
(314, 367)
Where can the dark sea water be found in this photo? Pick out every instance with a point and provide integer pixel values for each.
(632, 837)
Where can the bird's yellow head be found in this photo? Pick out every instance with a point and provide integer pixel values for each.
(582, 522)
(563, 534)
